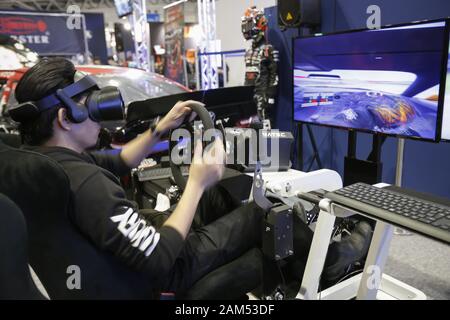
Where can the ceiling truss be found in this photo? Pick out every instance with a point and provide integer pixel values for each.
(54, 5)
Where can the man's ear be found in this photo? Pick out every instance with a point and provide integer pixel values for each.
(63, 120)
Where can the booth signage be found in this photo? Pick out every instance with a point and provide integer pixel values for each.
(174, 41)
(44, 33)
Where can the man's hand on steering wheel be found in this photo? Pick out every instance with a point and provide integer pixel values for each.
(177, 119)
(207, 167)
(177, 115)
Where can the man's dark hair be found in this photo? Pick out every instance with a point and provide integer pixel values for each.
(43, 79)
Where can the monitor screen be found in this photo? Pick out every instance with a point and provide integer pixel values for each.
(123, 7)
(385, 81)
(446, 111)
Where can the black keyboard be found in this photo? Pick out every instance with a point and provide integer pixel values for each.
(155, 173)
(419, 213)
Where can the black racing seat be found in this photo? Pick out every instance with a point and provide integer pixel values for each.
(16, 282)
(40, 188)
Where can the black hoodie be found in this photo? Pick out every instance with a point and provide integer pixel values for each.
(104, 215)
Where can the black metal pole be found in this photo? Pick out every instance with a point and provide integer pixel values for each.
(352, 140)
(299, 146)
(316, 155)
(378, 141)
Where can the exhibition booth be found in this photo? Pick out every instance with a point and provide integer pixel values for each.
(225, 150)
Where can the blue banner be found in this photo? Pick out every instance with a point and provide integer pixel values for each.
(46, 33)
(95, 25)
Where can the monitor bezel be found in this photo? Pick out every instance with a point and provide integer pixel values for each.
(444, 61)
(130, 2)
(447, 56)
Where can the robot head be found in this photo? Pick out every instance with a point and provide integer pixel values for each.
(253, 24)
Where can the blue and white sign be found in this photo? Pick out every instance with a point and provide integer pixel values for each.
(46, 33)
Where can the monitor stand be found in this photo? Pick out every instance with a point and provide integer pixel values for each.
(358, 170)
(312, 139)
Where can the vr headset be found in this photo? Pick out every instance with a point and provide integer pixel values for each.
(101, 104)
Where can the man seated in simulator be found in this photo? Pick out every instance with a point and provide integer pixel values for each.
(174, 250)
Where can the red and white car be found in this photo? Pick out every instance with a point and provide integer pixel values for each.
(134, 84)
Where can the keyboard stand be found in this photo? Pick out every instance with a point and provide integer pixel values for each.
(372, 283)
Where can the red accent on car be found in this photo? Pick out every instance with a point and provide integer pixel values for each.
(11, 77)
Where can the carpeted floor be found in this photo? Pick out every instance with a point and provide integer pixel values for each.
(422, 263)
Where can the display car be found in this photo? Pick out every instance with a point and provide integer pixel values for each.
(14, 54)
(134, 84)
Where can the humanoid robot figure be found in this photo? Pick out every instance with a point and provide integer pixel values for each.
(261, 62)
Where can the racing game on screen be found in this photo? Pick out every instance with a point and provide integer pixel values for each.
(384, 81)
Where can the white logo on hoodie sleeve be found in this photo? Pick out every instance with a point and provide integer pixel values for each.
(141, 235)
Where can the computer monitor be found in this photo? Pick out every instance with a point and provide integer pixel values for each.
(384, 81)
(446, 111)
(123, 7)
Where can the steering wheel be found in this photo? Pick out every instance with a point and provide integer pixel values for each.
(205, 118)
